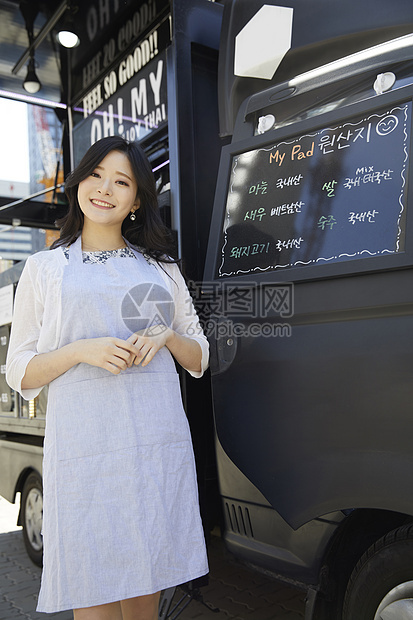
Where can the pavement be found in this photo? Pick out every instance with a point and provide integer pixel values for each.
(234, 591)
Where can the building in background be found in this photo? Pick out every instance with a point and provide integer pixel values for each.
(45, 134)
(44, 147)
(17, 242)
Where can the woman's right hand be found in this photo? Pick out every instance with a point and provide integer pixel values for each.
(112, 354)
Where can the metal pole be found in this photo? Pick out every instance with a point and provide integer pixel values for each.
(20, 200)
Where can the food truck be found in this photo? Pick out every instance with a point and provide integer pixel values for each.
(280, 136)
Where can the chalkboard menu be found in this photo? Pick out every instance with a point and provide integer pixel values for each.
(333, 194)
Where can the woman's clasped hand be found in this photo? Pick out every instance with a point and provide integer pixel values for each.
(115, 354)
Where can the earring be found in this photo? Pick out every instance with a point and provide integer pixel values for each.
(132, 216)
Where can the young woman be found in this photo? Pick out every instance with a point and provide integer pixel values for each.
(100, 318)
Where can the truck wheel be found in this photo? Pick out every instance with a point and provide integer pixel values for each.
(32, 517)
(382, 581)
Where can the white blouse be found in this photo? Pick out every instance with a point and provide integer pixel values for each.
(37, 314)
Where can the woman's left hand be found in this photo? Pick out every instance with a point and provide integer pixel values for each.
(149, 341)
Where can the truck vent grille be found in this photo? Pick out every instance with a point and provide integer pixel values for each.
(239, 520)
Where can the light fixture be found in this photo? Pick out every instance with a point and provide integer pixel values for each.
(67, 33)
(68, 38)
(40, 37)
(32, 83)
(29, 11)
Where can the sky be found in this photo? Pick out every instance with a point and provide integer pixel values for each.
(14, 151)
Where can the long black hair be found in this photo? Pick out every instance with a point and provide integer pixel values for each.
(147, 231)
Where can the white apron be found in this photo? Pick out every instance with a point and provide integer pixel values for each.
(121, 516)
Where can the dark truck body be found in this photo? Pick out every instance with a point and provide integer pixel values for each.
(309, 288)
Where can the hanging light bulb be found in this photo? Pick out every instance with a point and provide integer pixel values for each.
(67, 34)
(68, 38)
(29, 11)
(32, 83)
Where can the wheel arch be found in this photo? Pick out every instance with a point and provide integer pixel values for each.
(361, 529)
(381, 584)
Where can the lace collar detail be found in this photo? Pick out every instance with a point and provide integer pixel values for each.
(103, 255)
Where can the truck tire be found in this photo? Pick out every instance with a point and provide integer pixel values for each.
(382, 580)
(32, 517)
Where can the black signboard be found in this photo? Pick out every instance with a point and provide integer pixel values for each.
(328, 195)
(108, 29)
(135, 110)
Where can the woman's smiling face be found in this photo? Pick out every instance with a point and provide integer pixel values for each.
(108, 194)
